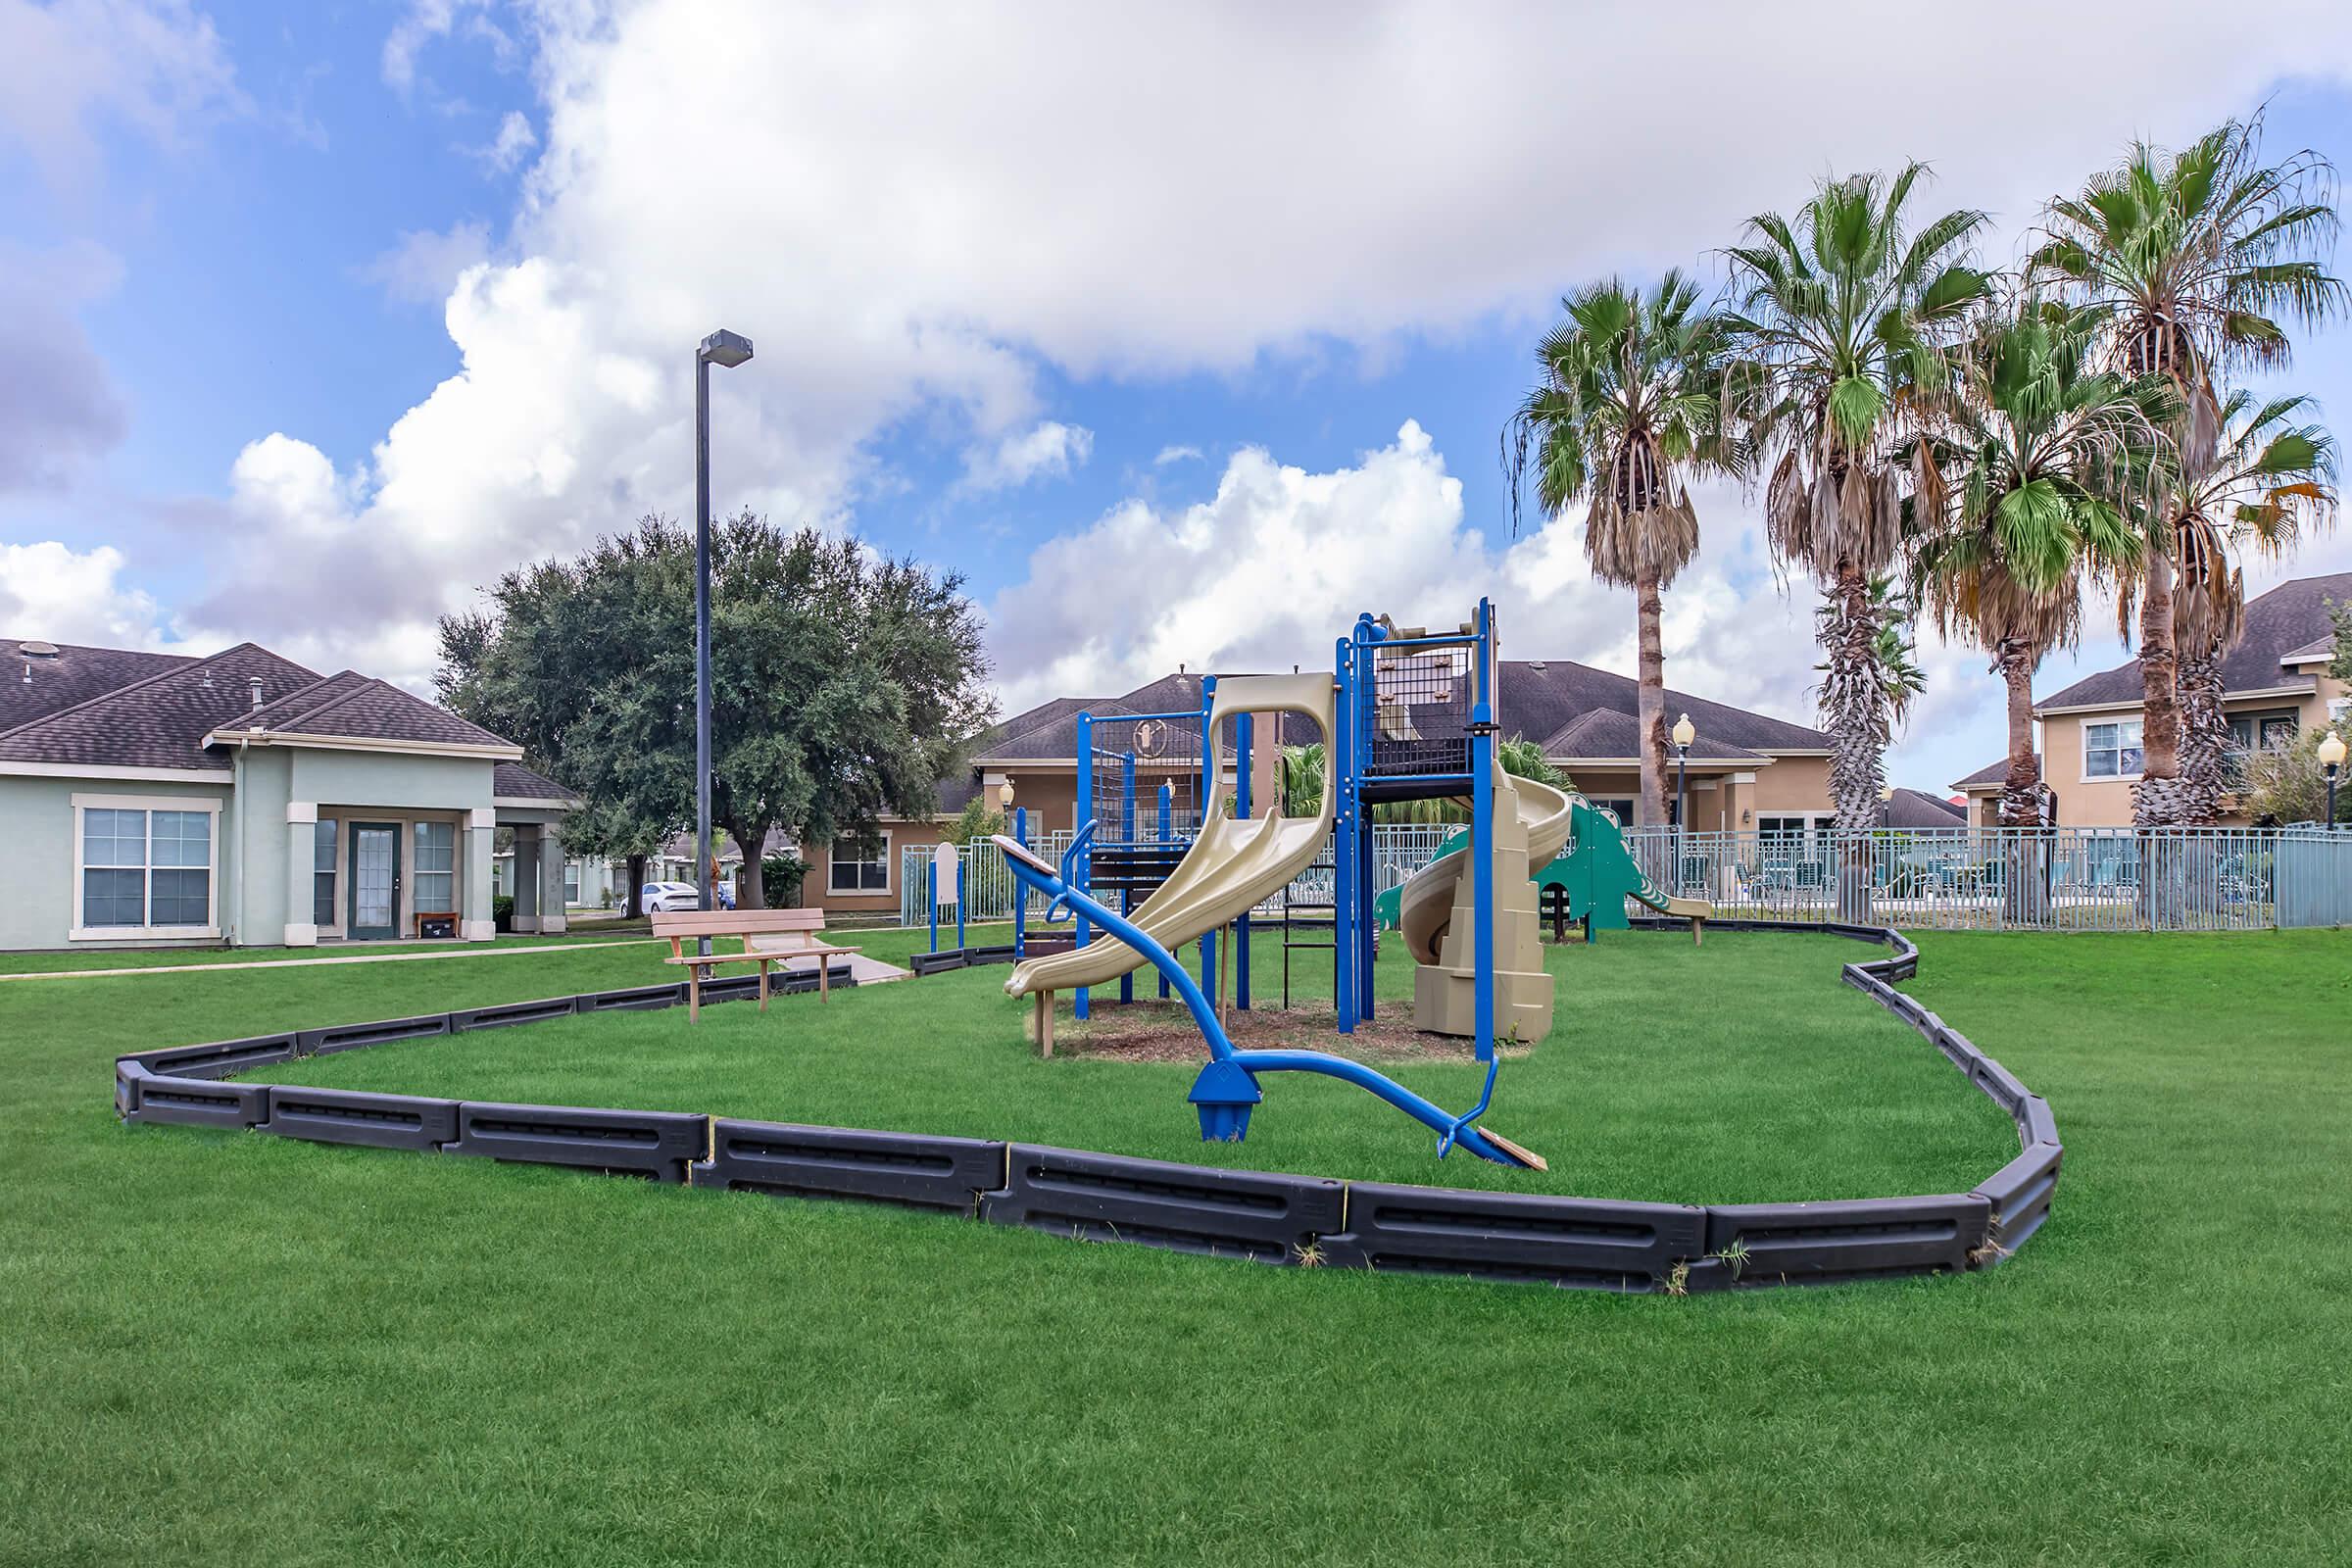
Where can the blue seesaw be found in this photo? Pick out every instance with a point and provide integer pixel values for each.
(1227, 1087)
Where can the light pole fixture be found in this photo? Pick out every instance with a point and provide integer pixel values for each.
(1684, 732)
(1004, 796)
(2332, 757)
(726, 350)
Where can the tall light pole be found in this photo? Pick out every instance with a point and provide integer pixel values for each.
(1683, 734)
(728, 350)
(2332, 757)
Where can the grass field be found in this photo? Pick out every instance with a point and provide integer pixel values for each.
(239, 1348)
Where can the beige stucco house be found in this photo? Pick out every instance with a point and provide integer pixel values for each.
(2276, 683)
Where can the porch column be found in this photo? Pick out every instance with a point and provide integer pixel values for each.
(526, 877)
(551, 879)
(482, 833)
(302, 830)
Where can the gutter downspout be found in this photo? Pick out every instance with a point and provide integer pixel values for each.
(236, 833)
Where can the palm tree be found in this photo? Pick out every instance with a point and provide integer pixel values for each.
(2038, 441)
(1893, 649)
(1629, 411)
(2200, 257)
(1842, 315)
(2268, 478)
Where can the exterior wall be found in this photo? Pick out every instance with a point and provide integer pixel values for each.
(37, 823)
(1794, 786)
(2085, 801)
(817, 894)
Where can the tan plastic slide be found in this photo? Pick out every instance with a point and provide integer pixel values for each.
(1231, 868)
(1426, 905)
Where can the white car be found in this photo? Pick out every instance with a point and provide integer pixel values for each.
(671, 898)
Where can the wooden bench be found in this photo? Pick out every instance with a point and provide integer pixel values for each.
(769, 935)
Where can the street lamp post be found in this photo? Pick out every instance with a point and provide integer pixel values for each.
(726, 350)
(2332, 757)
(1683, 734)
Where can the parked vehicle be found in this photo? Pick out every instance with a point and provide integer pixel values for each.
(671, 898)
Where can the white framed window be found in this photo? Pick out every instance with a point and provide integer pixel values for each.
(571, 883)
(435, 873)
(2111, 750)
(847, 870)
(144, 865)
(325, 846)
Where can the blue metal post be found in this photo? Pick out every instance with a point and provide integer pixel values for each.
(1482, 834)
(1242, 728)
(1085, 814)
(1338, 774)
(959, 858)
(1168, 812)
(1368, 930)
(931, 897)
(1208, 793)
(1127, 836)
(1020, 890)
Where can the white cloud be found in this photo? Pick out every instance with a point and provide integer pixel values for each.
(425, 264)
(1168, 455)
(154, 65)
(916, 216)
(58, 405)
(508, 149)
(50, 590)
(1048, 449)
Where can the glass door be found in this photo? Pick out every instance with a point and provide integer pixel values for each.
(374, 880)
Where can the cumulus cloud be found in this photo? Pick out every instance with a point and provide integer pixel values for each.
(424, 265)
(924, 216)
(58, 405)
(154, 65)
(508, 149)
(1278, 562)
(1048, 449)
(50, 590)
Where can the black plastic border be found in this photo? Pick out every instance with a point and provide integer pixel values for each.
(1264, 1216)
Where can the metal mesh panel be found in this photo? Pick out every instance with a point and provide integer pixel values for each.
(1421, 710)
(1167, 752)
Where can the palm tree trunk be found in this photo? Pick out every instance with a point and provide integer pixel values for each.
(2021, 789)
(1651, 698)
(1853, 702)
(1853, 707)
(2156, 799)
(2204, 736)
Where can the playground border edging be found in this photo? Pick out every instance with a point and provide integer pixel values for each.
(1264, 1216)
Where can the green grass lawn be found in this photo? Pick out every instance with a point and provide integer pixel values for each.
(238, 1348)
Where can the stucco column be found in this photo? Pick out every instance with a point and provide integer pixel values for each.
(302, 829)
(526, 877)
(551, 879)
(482, 833)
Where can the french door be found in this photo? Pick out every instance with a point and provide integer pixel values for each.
(374, 880)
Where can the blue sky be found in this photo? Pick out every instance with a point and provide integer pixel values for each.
(1182, 336)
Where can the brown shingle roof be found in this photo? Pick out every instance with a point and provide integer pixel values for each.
(1545, 695)
(1607, 733)
(512, 781)
(2291, 619)
(1917, 809)
(356, 707)
(1991, 773)
(160, 720)
(36, 686)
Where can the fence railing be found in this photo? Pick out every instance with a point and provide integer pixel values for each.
(1944, 879)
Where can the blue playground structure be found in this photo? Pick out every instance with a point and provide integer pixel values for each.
(1412, 719)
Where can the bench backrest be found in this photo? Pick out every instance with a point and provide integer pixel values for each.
(736, 922)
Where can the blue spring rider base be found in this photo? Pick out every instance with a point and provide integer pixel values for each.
(1227, 1089)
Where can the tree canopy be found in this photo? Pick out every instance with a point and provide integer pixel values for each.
(843, 683)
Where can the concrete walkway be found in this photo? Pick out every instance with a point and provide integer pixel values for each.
(354, 957)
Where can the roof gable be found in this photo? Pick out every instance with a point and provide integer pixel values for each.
(1548, 696)
(349, 705)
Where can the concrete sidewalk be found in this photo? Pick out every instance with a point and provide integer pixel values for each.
(353, 958)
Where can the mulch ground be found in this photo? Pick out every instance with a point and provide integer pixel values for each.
(1163, 1031)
